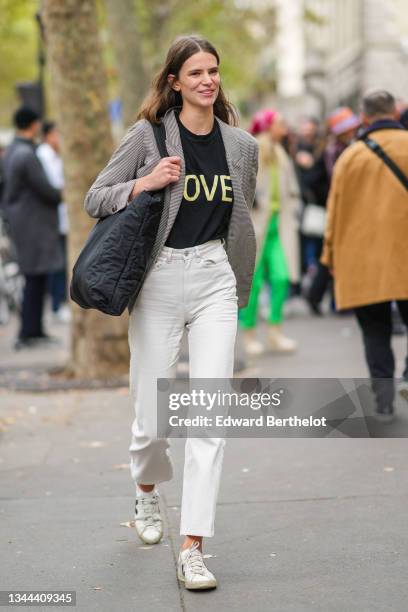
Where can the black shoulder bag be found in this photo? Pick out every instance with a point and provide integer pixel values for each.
(375, 148)
(112, 265)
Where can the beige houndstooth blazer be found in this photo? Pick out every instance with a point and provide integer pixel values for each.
(137, 155)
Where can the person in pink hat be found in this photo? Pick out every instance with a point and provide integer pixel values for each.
(276, 226)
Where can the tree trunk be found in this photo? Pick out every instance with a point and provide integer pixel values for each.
(79, 88)
(125, 39)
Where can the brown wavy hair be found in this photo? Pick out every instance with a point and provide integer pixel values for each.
(162, 97)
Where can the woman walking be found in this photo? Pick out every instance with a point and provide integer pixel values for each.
(194, 281)
(276, 220)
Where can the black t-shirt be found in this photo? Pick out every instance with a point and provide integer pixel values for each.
(206, 206)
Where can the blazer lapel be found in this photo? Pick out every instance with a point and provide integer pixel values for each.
(174, 148)
(235, 163)
(232, 150)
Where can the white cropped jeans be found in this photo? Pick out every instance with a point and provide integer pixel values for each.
(193, 287)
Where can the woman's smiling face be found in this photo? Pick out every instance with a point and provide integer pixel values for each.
(198, 80)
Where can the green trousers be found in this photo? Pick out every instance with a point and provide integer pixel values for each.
(271, 267)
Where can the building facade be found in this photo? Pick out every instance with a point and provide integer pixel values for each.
(346, 47)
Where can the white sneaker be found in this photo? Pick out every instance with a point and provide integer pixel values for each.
(403, 389)
(278, 342)
(251, 344)
(63, 315)
(148, 522)
(192, 571)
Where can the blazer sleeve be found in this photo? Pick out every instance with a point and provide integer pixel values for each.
(114, 184)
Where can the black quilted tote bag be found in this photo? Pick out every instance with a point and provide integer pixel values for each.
(111, 267)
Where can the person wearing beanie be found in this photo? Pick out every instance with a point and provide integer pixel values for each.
(342, 125)
(276, 225)
(31, 203)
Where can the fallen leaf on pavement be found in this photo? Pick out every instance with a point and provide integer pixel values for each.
(93, 444)
(9, 420)
(121, 466)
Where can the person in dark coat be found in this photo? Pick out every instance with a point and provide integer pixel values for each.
(314, 184)
(342, 124)
(31, 209)
(404, 118)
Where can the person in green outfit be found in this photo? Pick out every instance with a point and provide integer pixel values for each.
(276, 222)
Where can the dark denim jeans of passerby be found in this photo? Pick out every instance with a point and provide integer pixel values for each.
(33, 306)
(375, 321)
(312, 248)
(57, 282)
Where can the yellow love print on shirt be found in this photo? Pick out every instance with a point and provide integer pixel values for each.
(199, 182)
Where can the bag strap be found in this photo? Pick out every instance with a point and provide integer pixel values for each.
(375, 148)
(160, 135)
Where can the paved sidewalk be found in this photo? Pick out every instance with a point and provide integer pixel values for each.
(303, 525)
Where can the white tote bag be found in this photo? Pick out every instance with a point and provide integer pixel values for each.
(313, 221)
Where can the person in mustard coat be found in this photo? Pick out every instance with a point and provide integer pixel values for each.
(365, 242)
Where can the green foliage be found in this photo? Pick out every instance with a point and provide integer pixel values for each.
(314, 17)
(18, 51)
(239, 33)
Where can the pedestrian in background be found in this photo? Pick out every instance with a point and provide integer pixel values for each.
(276, 222)
(31, 208)
(314, 185)
(342, 126)
(404, 118)
(366, 239)
(49, 154)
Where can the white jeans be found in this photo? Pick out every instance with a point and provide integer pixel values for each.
(193, 287)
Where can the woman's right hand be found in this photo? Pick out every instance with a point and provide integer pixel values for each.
(167, 171)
